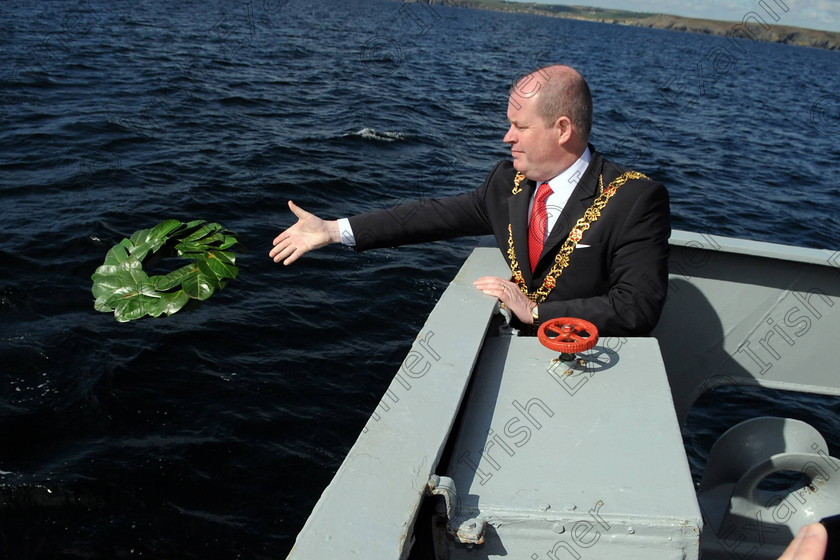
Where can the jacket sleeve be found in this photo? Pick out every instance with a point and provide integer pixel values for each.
(426, 219)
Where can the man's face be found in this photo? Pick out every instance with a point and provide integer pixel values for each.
(534, 146)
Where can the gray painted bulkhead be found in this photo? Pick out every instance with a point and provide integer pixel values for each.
(745, 312)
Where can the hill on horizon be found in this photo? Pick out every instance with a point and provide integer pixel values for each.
(755, 26)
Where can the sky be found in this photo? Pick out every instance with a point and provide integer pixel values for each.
(812, 14)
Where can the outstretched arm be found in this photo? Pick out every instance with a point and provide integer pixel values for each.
(308, 233)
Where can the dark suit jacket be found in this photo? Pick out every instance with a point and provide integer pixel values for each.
(617, 276)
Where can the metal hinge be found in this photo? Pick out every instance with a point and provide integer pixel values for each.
(468, 531)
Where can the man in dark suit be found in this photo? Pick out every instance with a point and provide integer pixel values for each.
(584, 237)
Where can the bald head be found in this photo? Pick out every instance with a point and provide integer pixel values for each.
(559, 91)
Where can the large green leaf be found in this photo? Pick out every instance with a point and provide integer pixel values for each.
(169, 303)
(197, 284)
(118, 253)
(203, 231)
(133, 307)
(150, 240)
(222, 264)
(230, 241)
(167, 282)
(166, 228)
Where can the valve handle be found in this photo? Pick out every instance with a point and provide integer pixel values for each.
(568, 335)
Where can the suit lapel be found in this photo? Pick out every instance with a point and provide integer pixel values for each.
(518, 208)
(581, 198)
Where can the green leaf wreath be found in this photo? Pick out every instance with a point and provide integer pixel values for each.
(122, 286)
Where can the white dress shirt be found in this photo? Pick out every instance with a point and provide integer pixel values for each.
(561, 189)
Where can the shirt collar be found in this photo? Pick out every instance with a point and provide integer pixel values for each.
(567, 180)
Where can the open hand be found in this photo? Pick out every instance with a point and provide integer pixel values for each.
(308, 233)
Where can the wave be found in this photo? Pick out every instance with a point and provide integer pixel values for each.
(378, 136)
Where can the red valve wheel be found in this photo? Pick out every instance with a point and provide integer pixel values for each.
(568, 335)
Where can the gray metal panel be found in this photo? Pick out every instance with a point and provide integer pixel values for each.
(369, 508)
(762, 315)
(755, 248)
(591, 462)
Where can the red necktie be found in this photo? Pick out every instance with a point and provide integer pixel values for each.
(537, 225)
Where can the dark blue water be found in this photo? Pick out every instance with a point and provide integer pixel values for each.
(211, 434)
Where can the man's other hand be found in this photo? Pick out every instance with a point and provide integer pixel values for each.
(509, 294)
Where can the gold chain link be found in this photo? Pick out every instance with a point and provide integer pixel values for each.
(561, 261)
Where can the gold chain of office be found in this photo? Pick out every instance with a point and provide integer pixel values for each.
(561, 261)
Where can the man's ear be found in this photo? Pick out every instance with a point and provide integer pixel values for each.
(565, 129)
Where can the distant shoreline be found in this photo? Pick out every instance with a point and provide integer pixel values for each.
(757, 25)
